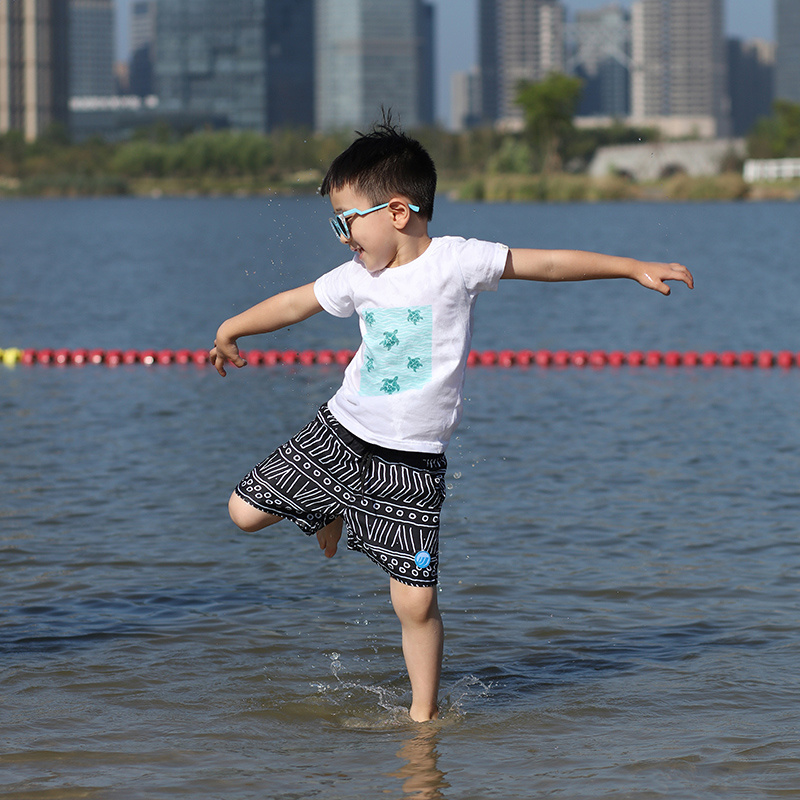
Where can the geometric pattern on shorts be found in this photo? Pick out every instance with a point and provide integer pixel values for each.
(390, 501)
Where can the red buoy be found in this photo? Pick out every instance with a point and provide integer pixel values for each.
(307, 357)
(616, 358)
(653, 358)
(506, 358)
(543, 358)
(580, 358)
(561, 358)
(765, 359)
(635, 358)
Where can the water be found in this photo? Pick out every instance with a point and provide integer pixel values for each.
(620, 552)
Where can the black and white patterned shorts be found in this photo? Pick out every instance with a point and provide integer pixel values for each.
(390, 500)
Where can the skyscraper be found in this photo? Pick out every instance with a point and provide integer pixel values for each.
(599, 53)
(91, 52)
(34, 65)
(678, 64)
(372, 53)
(520, 40)
(787, 62)
(247, 61)
(143, 34)
(465, 99)
(751, 82)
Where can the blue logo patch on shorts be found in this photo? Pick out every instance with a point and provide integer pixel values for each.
(422, 559)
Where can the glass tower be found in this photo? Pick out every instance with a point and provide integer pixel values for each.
(520, 40)
(679, 61)
(34, 65)
(600, 56)
(787, 62)
(373, 54)
(91, 48)
(247, 61)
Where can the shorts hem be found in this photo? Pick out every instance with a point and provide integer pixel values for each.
(300, 524)
(408, 581)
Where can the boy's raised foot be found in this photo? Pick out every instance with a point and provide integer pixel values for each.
(329, 536)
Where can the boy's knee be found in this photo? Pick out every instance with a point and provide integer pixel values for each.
(415, 604)
(247, 517)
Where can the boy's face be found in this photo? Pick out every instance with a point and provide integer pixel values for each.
(373, 237)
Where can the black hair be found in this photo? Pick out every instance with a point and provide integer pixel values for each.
(383, 163)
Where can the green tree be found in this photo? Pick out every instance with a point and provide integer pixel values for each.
(548, 107)
(777, 136)
(12, 153)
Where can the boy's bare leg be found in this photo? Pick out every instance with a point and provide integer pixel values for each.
(250, 519)
(423, 641)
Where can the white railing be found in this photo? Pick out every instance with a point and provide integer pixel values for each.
(771, 169)
(128, 102)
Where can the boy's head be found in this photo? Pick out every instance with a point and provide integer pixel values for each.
(382, 164)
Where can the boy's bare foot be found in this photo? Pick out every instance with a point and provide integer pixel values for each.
(329, 536)
(423, 715)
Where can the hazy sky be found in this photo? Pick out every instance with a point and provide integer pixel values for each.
(456, 26)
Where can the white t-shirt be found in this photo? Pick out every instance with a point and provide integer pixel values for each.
(403, 389)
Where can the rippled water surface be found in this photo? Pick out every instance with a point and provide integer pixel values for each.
(620, 550)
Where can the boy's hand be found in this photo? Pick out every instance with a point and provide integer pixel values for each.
(652, 274)
(222, 351)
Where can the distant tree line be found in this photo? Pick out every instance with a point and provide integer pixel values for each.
(548, 143)
(777, 136)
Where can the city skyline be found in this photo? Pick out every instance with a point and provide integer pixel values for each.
(457, 33)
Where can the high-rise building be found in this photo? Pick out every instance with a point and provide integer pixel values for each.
(426, 73)
(599, 52)
(373, 54)
(787, 57)
(91, 51)
(34, 65)
(290, 63)
(520, 40)
(751, 81)
(250, 62)
(143, 34)
(465, 99)
(679, 66)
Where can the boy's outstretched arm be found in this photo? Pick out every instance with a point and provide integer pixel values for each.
(581, 265)
(274, 313)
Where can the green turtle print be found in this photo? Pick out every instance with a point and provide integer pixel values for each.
(398, 346)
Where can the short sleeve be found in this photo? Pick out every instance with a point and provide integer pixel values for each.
(482, 265)
(334, 292)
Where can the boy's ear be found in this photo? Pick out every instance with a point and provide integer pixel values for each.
(401, 214)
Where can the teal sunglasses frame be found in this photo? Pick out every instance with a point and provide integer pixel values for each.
(339, 223)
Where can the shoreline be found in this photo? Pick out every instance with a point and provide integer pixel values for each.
(485, 187)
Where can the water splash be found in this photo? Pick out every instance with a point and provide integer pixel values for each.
(464, 693)
(361, 704)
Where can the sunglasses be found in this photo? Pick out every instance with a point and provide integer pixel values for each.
(339, 222)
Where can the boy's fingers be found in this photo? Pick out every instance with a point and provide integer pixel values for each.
(218, 360)
(681, 274)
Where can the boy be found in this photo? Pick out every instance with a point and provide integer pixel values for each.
(374, 455)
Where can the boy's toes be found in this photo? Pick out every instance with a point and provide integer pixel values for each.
(329, 544)
(329, 536)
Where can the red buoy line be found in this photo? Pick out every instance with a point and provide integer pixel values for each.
(487, 358)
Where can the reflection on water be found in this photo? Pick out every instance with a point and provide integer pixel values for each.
(422, 779)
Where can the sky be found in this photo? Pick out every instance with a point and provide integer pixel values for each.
(457, 46)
